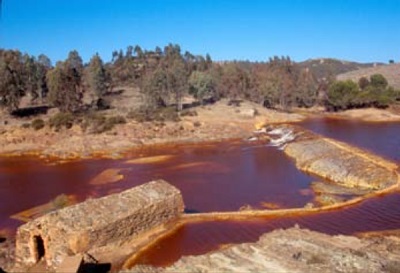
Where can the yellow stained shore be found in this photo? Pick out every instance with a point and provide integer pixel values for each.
(35, 212)
(107, 177)
(150, 159)
(268, 205)
(201, 166)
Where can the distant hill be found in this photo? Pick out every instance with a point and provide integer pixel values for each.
(391, 72)
(325, 67)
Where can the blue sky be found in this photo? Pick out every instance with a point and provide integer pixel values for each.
(360, 30)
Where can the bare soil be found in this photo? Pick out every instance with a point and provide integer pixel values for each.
(213, 122)
(370, 115)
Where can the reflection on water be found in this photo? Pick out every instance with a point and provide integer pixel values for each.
(381, 213)
(27, 182)
(219, 177)
(380, 138)
(212, 177)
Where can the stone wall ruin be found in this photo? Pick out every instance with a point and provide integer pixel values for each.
(95, 223)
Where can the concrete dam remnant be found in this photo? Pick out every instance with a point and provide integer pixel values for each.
(340, 163)
(96, 223)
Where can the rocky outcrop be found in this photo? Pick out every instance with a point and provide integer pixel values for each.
(96, 223)
(295, 250)
(7, 252)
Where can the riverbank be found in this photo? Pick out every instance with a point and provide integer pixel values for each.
(392, 114)
(344, 168)
(294, 250)
(215, 122)
(302, 140)
(210, 123)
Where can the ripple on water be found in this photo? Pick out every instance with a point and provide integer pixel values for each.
(381, 213)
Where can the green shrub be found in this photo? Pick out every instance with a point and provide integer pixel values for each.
(98, 124)
(188, 113)
(149, 114)
(37, 124)
(61, 201)
(197, 124)
(167, 114)
(344, 95)
(60, 120)
(341, 95)
(139, 115)
(116, 120)
(26, 125)
(378, 81)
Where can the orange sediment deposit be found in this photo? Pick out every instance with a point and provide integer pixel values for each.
(246, 215)
(337, 158)
(150, 159)
(268, 205)
(154, 240)
(391, 232)
(306, 192)
(201, 166)
(60, 201)
(249, 214)
(5, 233)
(107, 177)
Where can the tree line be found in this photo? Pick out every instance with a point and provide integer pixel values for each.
(166, 75)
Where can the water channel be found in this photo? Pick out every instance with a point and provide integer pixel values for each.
(212, 177)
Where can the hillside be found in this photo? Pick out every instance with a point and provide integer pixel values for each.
(390, 72)
(324, 67)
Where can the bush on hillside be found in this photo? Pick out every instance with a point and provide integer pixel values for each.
(341, 95)
(188, 113)
(374, 92)
(151, 114)
(61, 120)
(98, 124)
(38, 124)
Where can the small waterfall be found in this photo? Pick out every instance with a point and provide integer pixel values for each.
(284, 136)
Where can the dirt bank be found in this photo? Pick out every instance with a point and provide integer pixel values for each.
(369, 115)
(391, 114)
(212, 122)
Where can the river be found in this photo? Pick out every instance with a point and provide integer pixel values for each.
(212, 177)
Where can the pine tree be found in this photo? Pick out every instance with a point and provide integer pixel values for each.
(97, 77)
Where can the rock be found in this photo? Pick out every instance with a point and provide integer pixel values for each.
(96, 223)
(292, 250)
(70, 264)
(248, 112)
(7, 250)
(330, 188)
